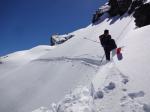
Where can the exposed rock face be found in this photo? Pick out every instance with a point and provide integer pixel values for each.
(135, 4)
(114, 10)
(59, 39)
(124, 5)
(119, 6)
(142, 15)
(103, 9)
(113, 7)
(96, 16)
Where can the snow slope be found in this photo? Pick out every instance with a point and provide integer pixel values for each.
(17, 59)
(46, 78)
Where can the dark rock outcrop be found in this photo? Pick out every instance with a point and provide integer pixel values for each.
(119, 7)
(103, 9)
(59, 39)
(142, 15)
(96, 16)
(135, 4)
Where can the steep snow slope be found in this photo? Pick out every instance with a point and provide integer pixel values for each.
(48, 78)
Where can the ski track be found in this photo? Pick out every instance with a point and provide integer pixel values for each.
(86, 61)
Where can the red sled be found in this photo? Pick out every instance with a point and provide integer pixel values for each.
(119, 54)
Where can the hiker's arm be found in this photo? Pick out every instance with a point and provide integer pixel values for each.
(100, 39)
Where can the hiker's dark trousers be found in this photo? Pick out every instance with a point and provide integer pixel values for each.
(107, 53)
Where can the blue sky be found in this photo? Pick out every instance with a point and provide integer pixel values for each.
(27, 23)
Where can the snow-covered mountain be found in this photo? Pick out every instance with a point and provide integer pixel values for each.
(74, 76)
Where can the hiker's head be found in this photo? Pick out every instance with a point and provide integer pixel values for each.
(106, 32)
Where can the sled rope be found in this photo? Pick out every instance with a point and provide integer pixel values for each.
(124, 28)
(91, 40)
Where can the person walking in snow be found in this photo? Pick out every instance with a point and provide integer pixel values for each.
(107, 43)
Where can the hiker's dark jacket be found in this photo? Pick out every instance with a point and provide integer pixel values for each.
(104, 39)
(107, 42)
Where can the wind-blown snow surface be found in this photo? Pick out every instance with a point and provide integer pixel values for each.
(71, 67)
